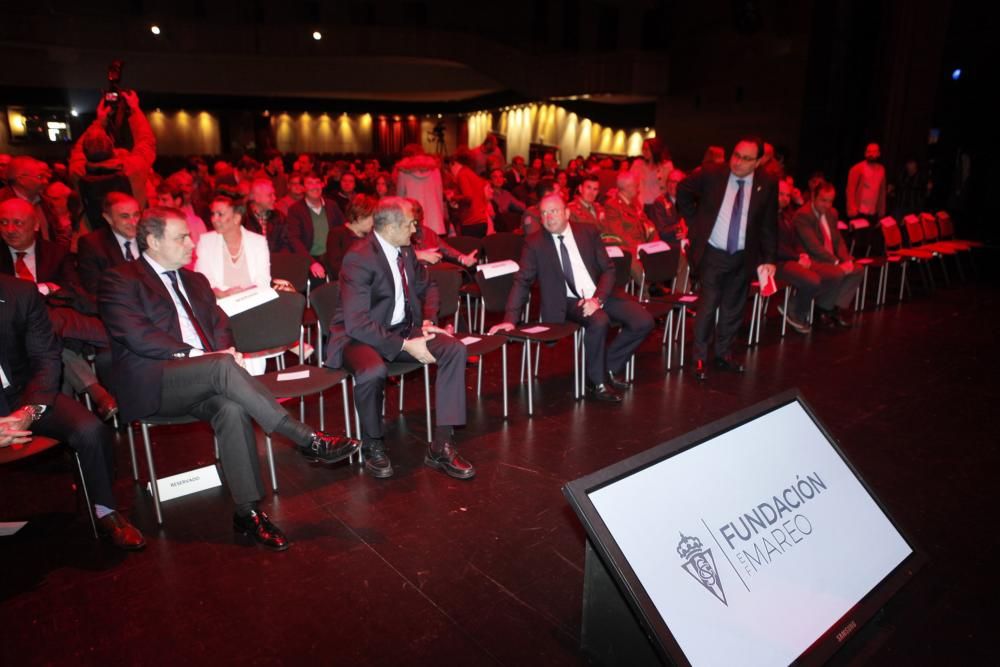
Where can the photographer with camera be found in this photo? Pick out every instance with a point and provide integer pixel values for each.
(98, 166)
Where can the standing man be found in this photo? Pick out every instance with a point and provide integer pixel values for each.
(173, 356)
(388, 309)
(866, 187)
(732, 214)
(310, 221)
(576, 278)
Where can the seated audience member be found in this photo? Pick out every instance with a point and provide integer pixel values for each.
(431, 248)
(296, 191)
(61, 201)
(311, 220)
(504, 203)
(625, 224)
(28, 178)
(383, 186)
(347, 190)
(516, 172)
(418, 177)
(585, 209)
(274, 169)
(169, 193)
(527, 188)
(816, 226)
(262, 218)
(174, 356)
(576, 279)
(794, 265)
(387, 313)
(359, 224)
(470, 194)
(112, 244)
(31, 404)
(4, 166)
(99, 167)
(531, 220)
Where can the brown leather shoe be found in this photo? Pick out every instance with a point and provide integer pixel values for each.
(116, 529)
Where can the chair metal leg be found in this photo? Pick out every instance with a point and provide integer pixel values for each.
(322, 412)
(152, 473)
(347, 415)
(784, 319)
(86, 494)
(270, 463)
(215, 442)
(427, 400)
(131, 454)
(479, 377)
(668, 339)
(682, 331)
(902, 282)
(503, 371)
(526, 361)
(402, 387)
(753, 317)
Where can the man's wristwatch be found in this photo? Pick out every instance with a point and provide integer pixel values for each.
(36, 411)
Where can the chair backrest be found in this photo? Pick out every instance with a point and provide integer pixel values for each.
(890, 233)
(271, 325)
(944, 225)
(503, 246)
(929, 225)
(291, 267)
(495, 291)
(448, 281)
(465, 244)
(623, 268)
(914, 230)
(324, 300)
(660, 267)
(507, 221)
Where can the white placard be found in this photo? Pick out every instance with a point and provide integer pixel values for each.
(297, 375)
(761, 540)
(186, 483)
(859, 223)
(614, 251)
(469, 340)
(494, 269)
(653, 247)
(234, 304)
(535, 329)
(8, 528)
(688, 298)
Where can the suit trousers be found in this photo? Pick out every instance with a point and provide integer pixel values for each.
(73, 424)
(636, 324)
(215, 389)
(839, 287)
(370, 371)
(724, 285)
(807, 283)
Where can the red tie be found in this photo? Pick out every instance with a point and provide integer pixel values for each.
(21, 267)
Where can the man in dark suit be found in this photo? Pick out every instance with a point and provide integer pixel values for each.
(30, 366)
(816, 227)
(310, 220)
(173, 356)
(576, 278)
(732, 214)
(388, 309)
(111, 245)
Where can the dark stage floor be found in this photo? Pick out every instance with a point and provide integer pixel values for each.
(422, 569)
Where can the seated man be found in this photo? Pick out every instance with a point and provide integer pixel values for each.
(310, 221)
(385, 298)
(111, 245)
(173, 356)
(816, 226)
(624, 223)
(576, 279)
(585, 209)
(794, 265)
(30, 401)
(262, 218)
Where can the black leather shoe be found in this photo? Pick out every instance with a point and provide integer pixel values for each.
(377, 464)
(728, 364)
(329, 448)
(449, 461)
(617, 381)
(258, 526)
(116, 529)
(604, 393)
(700, 370)
(838, 320)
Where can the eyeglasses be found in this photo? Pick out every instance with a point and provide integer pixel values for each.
(744, 158)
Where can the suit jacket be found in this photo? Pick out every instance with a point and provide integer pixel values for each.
(49, 227)
(30, 353)
(212, 253)
(540, 260)
(699, 198)
(368, 296)
(579, 213)
(279, 237)
(96, 253)
(145, 331)
(300, 225)
(810, 233)
(53, 263)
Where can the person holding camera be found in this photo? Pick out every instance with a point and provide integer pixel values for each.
(99, 167)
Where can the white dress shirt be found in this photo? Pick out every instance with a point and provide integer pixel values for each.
(133, 247)
(585, 286)
(391, 253)
(30, 259)
(188, 331)
(720, 232)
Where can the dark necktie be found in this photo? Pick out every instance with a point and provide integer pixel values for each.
(406, 288)
(190, 311)
(733, 240)
(128, 251)
(21, 267)
(567, 267)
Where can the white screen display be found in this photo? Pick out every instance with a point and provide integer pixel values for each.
(754, 543)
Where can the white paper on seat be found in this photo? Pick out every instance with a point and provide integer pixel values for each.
(185, 483)
(841, 224)
(297, 375)
(535, 329)
(614, 251)
(469, 340)
(690, 298)
(653, 247)
(859, 223)
(8, 528)
(494, 269)
(241, 302)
